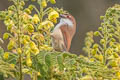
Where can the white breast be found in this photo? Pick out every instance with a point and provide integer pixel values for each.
(64, 21)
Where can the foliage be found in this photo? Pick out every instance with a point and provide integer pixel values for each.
(107, 51)
(66, 66)
(6, 69)
(28, 33)
(30, 52)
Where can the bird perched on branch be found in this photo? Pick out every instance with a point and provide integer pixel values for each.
(63, 33)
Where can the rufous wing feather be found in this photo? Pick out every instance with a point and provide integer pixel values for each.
(66, 35)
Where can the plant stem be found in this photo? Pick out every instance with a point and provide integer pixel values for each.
(40, 17)
(105, 45)
(19, 44)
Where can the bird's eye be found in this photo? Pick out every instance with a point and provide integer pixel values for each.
(68, 16)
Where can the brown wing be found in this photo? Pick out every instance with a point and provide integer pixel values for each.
(66, 35)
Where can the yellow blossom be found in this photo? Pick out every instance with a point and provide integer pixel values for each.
(19, 51)
(28, 62)
(114, 79)
(25, 70)
(35, 19)
(26, 16)
(38, 74)
(31, 7)
(24, 41)
(6, 55)
(10, 45)
(32, 44)
(44, 3)
(9, 23)
(53, 16)
(27, 52)
(27, 10)
(92, 59)
(30, 28)
(113, 63)
(5, 36)
(27, 37)
(118, 74)
(118, 45)
(35, 50)
(12, 66)
(52, 1)
(46, 48)
(115, 55)
(46, 24)
(22, 3)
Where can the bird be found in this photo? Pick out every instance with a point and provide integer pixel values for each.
(63, 33)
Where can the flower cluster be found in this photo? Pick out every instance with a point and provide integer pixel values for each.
(28, 33)
(107, 50)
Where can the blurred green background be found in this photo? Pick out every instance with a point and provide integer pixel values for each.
(86, 12)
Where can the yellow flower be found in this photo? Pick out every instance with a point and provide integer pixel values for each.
(46, 24)
(46, 48)
(53, 16)
(26, 17)
(11, 45)
(113, 63)
(30, 28)
(115, 55)
(27, 10)
(27, 52)
(12, 66)
(35, 50)
(109, 51)
(44, 3)
(96, 33)
(31, 7)
(100, 58)
(118, 45)
(118, 74)
(5, 36)
(93, 51)
(114, 79)
(95, 46)
(35, 19)
(9, 23)
(27, 37)
(52, 1)
(6, 55)
(28, 62)
(102, 41)
(19, 51)
(38, 74)
(41, 38)
(25, 70)
(24, 41)
(92, 59)
(32, 44)
(22, 3)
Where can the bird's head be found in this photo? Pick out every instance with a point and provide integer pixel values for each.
(68, 16)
